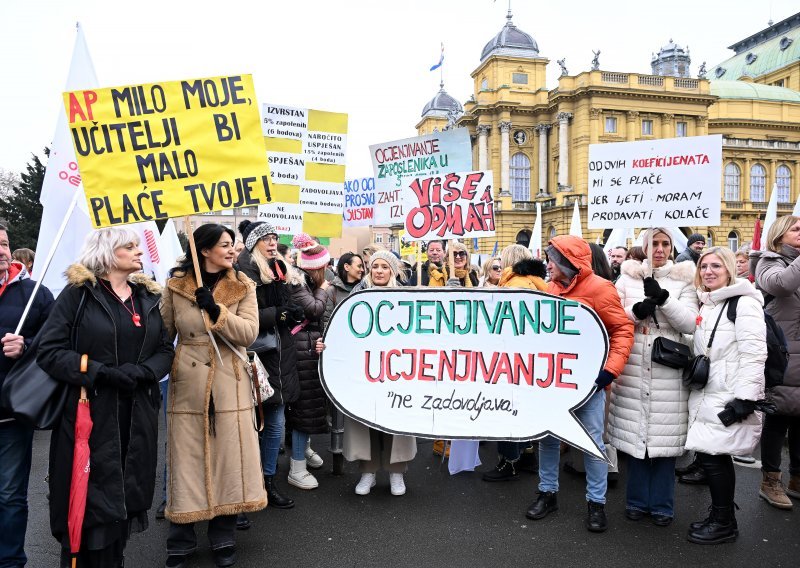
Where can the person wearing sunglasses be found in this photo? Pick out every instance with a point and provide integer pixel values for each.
(464, 275)
(491, 273)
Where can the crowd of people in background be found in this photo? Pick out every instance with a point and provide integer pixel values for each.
(115, 333)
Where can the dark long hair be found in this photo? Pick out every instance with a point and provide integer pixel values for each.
(205, 237)
(600, 264)
(346, 258)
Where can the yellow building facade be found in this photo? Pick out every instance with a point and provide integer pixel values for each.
(536, 140)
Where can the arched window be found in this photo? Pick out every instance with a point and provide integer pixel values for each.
(520, 177)
(732, 177)
(551, 232)
(783, 177)
(758, 184)
(524, 237)
(733, 241)
(710, 239)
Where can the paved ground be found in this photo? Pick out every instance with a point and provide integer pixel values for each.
(457, 521)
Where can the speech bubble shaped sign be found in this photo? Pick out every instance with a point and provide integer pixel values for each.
(465, 363)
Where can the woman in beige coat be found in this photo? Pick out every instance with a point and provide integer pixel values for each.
(212, 450)
(371, 447)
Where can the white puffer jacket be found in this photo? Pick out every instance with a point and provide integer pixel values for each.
(737, 371)
(648, 411)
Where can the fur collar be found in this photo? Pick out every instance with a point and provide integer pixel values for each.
(531, 267)
(78, 275)
(229, 290)
(681, 271)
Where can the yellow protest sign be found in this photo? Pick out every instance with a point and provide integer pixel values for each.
(306, 150)
(169, 149)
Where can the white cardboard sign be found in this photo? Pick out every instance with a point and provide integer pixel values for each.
(670, 182)
(508, 364)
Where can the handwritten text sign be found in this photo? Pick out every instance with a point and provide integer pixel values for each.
(436, 363)
(396, 163)
(168, 149)
(452, 206)
(359, 202)
(655, 183)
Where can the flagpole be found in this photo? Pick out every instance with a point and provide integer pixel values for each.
(50, 254)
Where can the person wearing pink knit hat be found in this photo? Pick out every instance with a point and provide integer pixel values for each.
(307, 415)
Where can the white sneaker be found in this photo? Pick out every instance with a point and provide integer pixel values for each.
(299, 476)
(366, 483)
(313, 459)
(397, 483)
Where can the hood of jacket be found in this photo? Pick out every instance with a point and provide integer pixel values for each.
(742, 287)
(681, 271)
(16, 272)
(346, 288)
(787, 254)
(78, 275)
(578, 253)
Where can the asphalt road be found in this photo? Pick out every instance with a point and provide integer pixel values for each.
(457, 521)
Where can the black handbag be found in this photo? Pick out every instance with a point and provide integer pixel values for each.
(695, 376)
(265, 342)
(29, 393)
(669, 353)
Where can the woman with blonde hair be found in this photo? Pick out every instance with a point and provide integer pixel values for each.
(464, 275)
(777, 273)
(722, 417)
(492, 269)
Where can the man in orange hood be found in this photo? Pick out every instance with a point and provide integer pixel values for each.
(571, 276)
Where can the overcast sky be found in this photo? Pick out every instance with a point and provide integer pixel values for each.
(369, 59)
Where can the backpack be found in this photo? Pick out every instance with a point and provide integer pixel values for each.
(777, 348)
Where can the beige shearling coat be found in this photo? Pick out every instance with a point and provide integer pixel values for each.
(211, 475)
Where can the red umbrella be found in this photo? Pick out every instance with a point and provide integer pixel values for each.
(79, 484)
(757, 235)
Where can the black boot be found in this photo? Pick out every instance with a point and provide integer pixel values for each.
(505, 470)
(700, 524)
(720, 528)
(275, 499)
(596, 520)
(546, 503)
(697, 477)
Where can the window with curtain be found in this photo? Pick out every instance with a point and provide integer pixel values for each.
(611, 125)
(758, 183)
(783, 177)
(520, 177)
(733, 241)
(732, 179)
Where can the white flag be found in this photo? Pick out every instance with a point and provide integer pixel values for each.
(62, 179)
(772, 214)
(796, 211)
(575, 226)
(170, 251)
(535, 245)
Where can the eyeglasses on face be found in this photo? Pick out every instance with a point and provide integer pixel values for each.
(460, 254)
(497, 267)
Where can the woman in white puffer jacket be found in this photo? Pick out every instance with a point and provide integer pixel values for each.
(648, 414)
(735, 382)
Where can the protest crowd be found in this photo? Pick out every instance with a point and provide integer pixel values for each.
(114, 333)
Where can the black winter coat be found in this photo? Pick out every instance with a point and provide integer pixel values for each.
(281, 365)
(112, 496)
(308, 414)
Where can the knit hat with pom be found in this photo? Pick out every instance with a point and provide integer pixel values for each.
(312, 254)
(253, 232)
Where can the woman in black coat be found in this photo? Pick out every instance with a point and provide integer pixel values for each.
(116, 323)
(276, 314)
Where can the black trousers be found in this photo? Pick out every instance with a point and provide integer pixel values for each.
(721, 478)
(772, 436)
(183, 540)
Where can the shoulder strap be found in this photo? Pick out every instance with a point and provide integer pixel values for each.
(73, 336)
(732, 306)
(714, 331)
(233, 348)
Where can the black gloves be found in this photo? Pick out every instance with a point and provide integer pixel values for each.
(604, 379)
(117, 379)
(205, 299)
(137, 372)
(644, 309)
(736, 411)
(296, 312)
(654, 291)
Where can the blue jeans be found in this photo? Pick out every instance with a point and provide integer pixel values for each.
(651, 485)
(591, 416)
(299, 443)
(16, 446)
(270, 438)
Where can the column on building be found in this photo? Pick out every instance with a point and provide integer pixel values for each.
(594, 125)
(701, 125)
(630, 127)
(667, 130)
(505, 161)
(542, 130)
(563, 149)
(483, 146)
(773, 173)
(744, 182)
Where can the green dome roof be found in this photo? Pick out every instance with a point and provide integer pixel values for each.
(762, 58)
(747, 90)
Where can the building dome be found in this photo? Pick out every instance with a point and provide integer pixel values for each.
(511, 41)
(672, 60)
(442, 105)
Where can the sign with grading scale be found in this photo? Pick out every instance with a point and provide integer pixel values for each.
(508, 364)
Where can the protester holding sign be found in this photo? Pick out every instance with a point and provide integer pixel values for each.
(432, 274)
(105, 334)
(571, 276)
(648, 416)
(372, 448)
(777, 272)
(212, 454)
(735, 382)
(308, 415)
(278, 315)
(463, 275)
